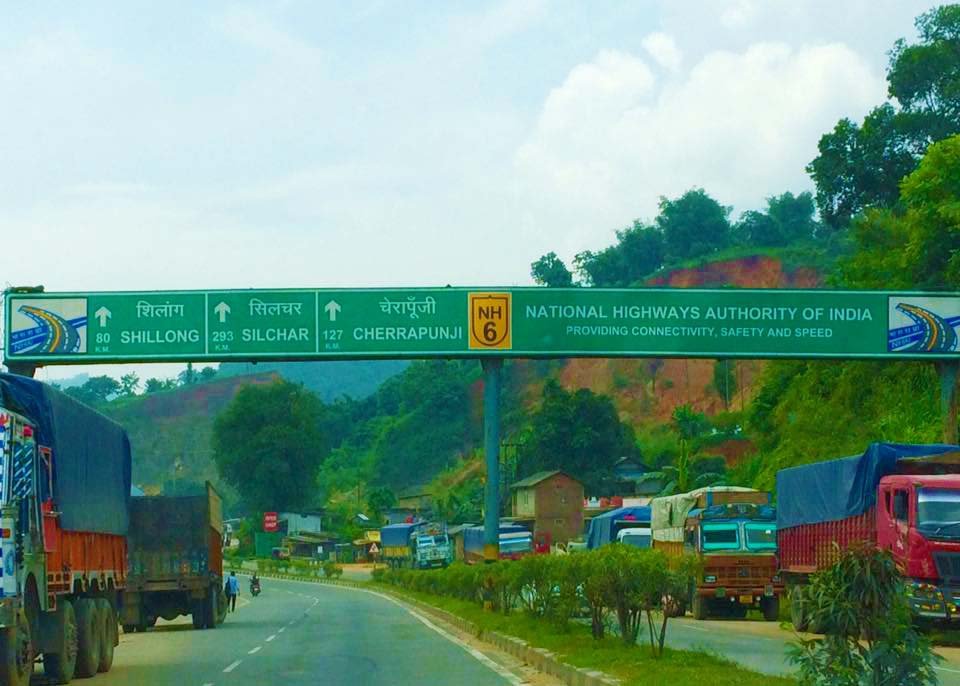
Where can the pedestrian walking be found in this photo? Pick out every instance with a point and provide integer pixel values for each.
(233, 590)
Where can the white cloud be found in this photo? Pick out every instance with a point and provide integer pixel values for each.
(663, 49)
(738, 14)
(610, 141)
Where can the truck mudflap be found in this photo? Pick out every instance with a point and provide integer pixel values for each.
(933, 601)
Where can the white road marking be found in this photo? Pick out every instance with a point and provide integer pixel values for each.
(232, 666)
(281, 629)
(947, 669)
(209, 683)
(255, 650)
(271, 637)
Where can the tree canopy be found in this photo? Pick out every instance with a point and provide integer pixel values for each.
(578, 432)
(268, 445)
(693, 225)
(550, 271)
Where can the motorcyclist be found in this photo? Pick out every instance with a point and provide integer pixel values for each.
(254, 583)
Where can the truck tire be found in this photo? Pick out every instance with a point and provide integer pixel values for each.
(210, 608)
(770, 608)
(60, 667)
(798, 613)
(16, 653)
(108, 620)
(89, 637)
(198, 614)
(698, 607)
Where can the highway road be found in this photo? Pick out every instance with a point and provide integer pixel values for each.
(61, 336)
(299, 634)
(761, 646)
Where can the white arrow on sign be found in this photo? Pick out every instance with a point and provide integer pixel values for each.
(222, 309)
(103, 314)
(332, 308)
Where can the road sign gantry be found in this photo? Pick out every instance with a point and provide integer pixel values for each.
(302, 324)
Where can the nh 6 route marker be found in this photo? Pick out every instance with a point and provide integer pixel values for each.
(485, 323)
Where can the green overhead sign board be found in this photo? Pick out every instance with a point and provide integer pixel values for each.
(73, 328)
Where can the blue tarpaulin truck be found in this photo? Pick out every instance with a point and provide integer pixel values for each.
(417, 545)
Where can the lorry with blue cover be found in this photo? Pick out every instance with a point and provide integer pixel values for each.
(417, 545)
(64, 520)
(903, 498)
(514, 542)
(606, 528)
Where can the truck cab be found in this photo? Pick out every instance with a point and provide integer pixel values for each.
(737, 543)
(637, 536)
(918, 521)
(431, 548)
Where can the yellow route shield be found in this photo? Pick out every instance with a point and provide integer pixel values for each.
(490, 321)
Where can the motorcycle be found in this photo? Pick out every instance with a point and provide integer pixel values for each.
(255, 588)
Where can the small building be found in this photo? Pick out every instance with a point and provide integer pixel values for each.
(554, 501)
(628, 469)
(317, 546)
(401, 515)
(310, 522)
(419, 499)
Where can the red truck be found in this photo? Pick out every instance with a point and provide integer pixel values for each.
(64, 485)
(897, 497)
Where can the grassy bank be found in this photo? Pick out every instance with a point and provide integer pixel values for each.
(632, 664)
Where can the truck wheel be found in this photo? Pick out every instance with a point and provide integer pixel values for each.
(798, 614)
(16, 653)
(129, 628)
(198, 614)
(108, 639)
(771, 609)
(89, 637)
(210, 608)
(60, 667)
(699, 607)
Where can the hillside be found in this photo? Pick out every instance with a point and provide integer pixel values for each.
(170, 431)
(329, 380)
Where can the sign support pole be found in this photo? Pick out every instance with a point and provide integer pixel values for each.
(948, 372)
(491, 449)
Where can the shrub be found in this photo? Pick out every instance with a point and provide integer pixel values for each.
(332, 570)
(862, 604)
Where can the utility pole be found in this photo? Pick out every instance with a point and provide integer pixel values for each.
(491, 449)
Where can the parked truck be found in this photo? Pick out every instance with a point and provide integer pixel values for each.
(605, 528)
(176, 561)
(514, 540)
(64, 486)
(733, 530)
(897, 497)
(417, 545)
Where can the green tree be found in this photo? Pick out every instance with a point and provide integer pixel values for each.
(129, 383)
(379, 500)
(758, 228)
(860, 166)
(577, 432)
(96, 390)
(638, 252)
(550, 271)
(793, 216)
(188, 376)
(207, 374)
(918, 247)
(869, 639)
(154, 385)
(268, 445)
(693, 225)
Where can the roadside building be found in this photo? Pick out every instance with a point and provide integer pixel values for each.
(553, 502)
(416, 499)
(456, 536)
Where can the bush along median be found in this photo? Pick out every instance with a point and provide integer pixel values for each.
(590, 607)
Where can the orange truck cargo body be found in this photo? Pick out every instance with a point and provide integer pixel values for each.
(806, 548)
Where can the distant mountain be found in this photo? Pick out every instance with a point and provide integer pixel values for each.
(329, 380)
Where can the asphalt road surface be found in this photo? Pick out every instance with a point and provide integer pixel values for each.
(302, 634)
(761, 646)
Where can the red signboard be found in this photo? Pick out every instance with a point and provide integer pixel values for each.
(271, 522)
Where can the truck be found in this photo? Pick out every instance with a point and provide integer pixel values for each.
(733, 531)
(430, 546)
(605, 528)
(903, 498)
(175, 561)
(64, 487)
(395, 543)
(514, 540)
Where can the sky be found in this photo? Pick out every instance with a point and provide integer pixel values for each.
(319, 144)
